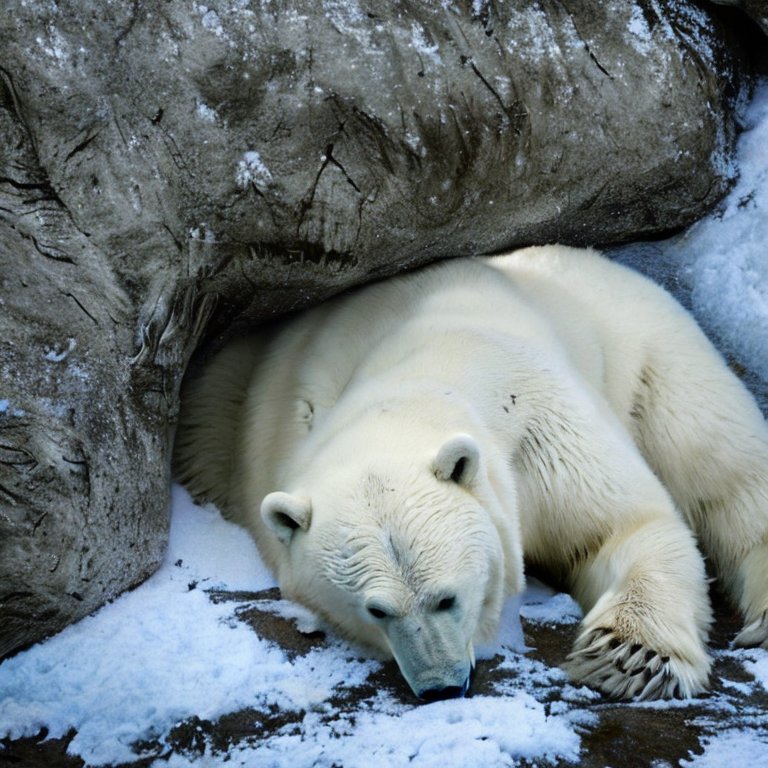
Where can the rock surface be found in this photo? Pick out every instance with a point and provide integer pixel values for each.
(169, 169)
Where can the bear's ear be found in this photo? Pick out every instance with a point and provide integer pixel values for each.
(284, 514)
(458, 460)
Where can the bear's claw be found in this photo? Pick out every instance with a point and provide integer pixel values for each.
(626, 670)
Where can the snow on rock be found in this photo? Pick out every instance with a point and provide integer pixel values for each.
(252, 170)
(205, 113)
(719, 265)
(638, 31)
(429, 50)
(57, 353)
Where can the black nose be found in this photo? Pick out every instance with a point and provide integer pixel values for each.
(449, 692)
(438, 694)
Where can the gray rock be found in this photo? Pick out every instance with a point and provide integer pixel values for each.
(169, 170)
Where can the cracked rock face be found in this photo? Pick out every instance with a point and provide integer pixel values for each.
(170, 170)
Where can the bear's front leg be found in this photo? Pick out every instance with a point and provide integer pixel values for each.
(644, 635)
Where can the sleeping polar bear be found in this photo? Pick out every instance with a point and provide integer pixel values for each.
(398, 453)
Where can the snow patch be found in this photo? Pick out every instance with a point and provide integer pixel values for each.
(757, 665)
(732, 747)
(205, 113)
(545, 606)
(345, 15)
(252, 170)
(210, 550)
(419, 43)
(473, 733)
(53, 45)
(640, 36)
(305, 620)
(534, 37)
(58, 354)
(202, 233)
(211, 21)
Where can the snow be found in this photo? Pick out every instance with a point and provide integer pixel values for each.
(202, 233)
(58, 354)
(345, 15)
(732, 747)
(166, 651)
(639, 33)
(252, 170)
(205, 113)
(469, 733)
(53, 45)
(757, 666)
(536, 31)
(421, 46)
(211, 21)
(544, 608)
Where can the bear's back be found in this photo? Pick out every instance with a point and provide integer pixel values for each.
(624, 318)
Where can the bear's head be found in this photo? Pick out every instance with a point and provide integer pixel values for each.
(405, 556)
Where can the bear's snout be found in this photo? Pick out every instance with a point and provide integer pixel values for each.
(441, 693)
(433, 655)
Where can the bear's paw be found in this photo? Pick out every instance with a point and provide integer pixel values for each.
(624, 669)
(754, 634)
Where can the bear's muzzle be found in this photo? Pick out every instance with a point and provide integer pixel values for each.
(441, 693)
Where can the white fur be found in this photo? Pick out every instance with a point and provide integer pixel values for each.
(424, 432)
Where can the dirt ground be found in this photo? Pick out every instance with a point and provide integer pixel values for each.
(622, 735)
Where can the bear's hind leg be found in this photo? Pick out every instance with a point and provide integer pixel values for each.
(644, 635)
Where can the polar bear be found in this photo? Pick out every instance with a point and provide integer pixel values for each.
(401, 451)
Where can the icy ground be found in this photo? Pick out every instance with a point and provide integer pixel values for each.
(173, 674)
